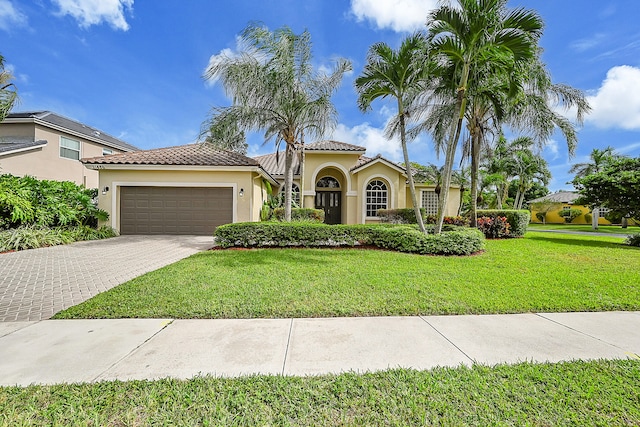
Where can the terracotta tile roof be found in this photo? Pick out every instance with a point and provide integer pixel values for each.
(364, 160)
(333, 146)
(559, 197)
(183, 155)
(276, 167)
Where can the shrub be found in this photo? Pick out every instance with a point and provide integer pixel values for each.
(542, 216)
(28, 201)
(399, 216)
(633, 240)
(32, 237)
(518, 219)
(300, 214)
(570, 214)
(588, 218)
(408, 216)
(404, 238)
(494, 228)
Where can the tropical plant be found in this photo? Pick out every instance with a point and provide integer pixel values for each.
(569, 214)
(274, 88)
(8, 93)
(598, 159)
(615, 187)
(469, 42)
(461, 177)
(400, 74)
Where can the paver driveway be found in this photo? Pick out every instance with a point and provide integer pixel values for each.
(35, 284)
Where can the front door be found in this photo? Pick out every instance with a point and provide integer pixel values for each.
(329, 202)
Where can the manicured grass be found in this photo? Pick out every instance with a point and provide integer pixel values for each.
(541, 272)
(598, 393)
(612, 229)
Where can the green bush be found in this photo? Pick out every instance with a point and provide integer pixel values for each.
(399, 216)
(588, 218)
(542, 216)
(32, 237)
(28, 201)
(300, 214)
(408, 216)
(633, 240)
(518, 219)
(404, 238)
(570, 214)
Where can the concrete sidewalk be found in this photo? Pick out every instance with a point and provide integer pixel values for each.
(65, 351)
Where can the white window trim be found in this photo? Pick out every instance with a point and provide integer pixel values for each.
(392, 196)
(60, 147)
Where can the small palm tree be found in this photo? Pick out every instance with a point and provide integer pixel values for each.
(274, 88)
(598, 160)
(400, 74)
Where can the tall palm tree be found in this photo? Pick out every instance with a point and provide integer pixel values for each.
(274, 88)
(8, 94)
(598, 160)
(469, 42)
(399, 74)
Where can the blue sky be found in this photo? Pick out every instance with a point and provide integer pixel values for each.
(134, 68)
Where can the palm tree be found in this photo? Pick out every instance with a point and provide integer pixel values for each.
(8, 94)
(527, 167)
(598, 160)
(274, 88)
(461, 178)
(470, 42)
(401, 75)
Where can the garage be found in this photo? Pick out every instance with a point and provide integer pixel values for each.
(174, 210)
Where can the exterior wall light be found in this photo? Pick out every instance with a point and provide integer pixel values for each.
(242, 192)
(105, 190)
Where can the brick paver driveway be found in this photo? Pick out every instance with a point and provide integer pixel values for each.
(37, 283)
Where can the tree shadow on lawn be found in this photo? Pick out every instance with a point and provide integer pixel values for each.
(582, 242)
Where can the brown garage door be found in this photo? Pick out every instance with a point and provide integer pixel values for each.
(174, 210)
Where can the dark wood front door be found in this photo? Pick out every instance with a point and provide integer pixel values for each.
(329, 201)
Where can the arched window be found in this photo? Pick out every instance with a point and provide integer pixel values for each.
(377, 197)
(328, 182)
(295, 194)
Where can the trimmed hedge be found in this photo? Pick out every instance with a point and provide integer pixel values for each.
(408, 216)
(518, 219)
(403, 238)
(300, 214)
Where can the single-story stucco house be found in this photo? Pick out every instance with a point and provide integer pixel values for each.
(191, 189)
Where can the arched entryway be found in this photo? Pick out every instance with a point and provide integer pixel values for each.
(329, 198)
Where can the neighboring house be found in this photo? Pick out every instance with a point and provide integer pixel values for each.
(191, 189)
(553, 203)
(47, 145)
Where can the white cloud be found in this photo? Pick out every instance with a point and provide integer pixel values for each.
(616, 104)
(398, 15)
(95, 12)
(371, 138)
(585, 44)
(10, 16)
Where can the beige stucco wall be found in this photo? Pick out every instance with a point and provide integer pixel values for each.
(453, 201)
(247, 206)
(45, 162)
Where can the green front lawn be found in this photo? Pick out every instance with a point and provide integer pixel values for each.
(611, 229)
(541, 272)
(598, 393)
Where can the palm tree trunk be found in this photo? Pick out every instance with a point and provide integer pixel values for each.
(475, 167)
(456, 128)
(405, 153)
(288, 180)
